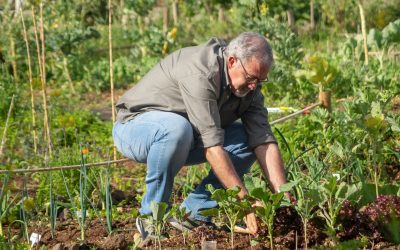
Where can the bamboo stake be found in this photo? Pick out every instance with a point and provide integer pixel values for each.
(312, 19)
(364, 32)
(44, 85)
(175, 12)
(295, 113)
(3, 139)
(14, 60)
(165, 16)
(30, 84)
(111, 68)
(47, 169)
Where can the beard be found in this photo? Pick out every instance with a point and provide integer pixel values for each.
(241, 92)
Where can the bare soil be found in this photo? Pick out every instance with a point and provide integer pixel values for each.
(288, 234)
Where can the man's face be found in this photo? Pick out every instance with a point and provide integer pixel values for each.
(245, 76)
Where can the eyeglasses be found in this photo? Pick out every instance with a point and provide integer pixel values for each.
(252, 79)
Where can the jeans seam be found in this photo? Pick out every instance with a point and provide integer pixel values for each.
(158, 164)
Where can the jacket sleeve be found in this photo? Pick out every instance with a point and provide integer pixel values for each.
(255, 120)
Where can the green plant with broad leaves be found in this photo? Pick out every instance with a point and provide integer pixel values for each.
(159, 217)
(181, 215)
(332, 195)
(318, 70)
(308, 198)
(269, 203)
(230, 205)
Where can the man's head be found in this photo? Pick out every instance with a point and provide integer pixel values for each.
(249, 59)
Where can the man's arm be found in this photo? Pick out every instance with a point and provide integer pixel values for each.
(271, 162)
(223, 168)
(226, 174)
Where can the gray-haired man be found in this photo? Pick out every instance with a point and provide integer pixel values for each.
(185, 111)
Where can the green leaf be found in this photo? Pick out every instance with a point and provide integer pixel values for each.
(260, 194)
(209, 212)
(393, 124)
(374, 38)
(219, 195)
(288, 186)
(276, 198)
(158, 210)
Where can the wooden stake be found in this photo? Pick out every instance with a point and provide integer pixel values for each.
(42, 71)
(3, 139)
(312, 19)
(165, 16)
(364, 32)
(111, 68)
(325, 99)
(175, 12)
(44, 84)
(14, 59)
(30, 85)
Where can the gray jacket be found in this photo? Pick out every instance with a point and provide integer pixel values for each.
(194, 83)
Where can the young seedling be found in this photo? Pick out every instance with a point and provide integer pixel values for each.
(233, 207)
(270, 202)
(181, 215)
(333, 195)
(307, 199)
(159, 216)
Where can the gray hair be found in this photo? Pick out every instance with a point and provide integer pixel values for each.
(250, 44)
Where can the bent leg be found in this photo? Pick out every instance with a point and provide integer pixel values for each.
(242, 157)
(160, 139)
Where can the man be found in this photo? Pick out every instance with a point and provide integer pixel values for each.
(184, 112)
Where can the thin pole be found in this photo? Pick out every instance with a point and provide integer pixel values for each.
(47, 169)
(30, 85)
(295, 113)
(364, 32)
(111, 68)
(44, 85)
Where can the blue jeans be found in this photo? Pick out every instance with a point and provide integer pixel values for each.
(165, 142)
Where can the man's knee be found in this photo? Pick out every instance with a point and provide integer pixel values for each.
(179, 131)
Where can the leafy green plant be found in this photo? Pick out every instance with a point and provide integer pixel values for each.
(333, 194)
(159, 217)
(6, 201)
(308, 198)
(270, 202)
(318, 70)
(181, 215)
(231, 205)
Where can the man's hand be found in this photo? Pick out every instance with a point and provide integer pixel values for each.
(251, 223)
(291, 198)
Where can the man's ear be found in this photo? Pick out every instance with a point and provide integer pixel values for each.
(231, 61)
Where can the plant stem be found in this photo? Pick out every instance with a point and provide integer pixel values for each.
(30, 85)
(364, 32)
(3, 139)
(108, 203)
(68, 75)
(305, 221)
